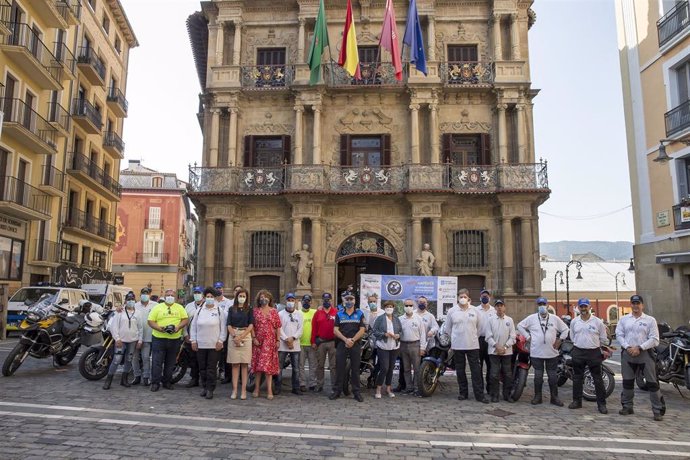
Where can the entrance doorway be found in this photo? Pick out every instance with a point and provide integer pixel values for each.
(268, 282)
(350, 269)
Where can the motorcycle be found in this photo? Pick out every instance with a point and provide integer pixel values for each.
(48, 330)
(366, 365)
(565, 371)
(672, 358)
(437, 360)
(522, 365)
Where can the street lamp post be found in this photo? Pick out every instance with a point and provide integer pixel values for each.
(622, 277)
(555, 287)
(578, 265)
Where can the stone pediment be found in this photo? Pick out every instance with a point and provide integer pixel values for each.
(363, 120)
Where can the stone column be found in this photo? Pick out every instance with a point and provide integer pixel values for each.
(436, 246)
(514, 37)
(317, 249)
(435, 135)
(432, 39)
(502, 132)
(497, 37)
(300, 41)
(414, 131)
(229, 253)
(507, 252)
(232, 138)
(299, 114)
(220, 40)
(416, 243)
(316, 150)
(296, 234)
(527, 254)
(237, 45)
(210, 250)
(521, 132)
(213, 151)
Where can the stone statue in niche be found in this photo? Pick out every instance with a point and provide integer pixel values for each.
(425, 261)
(303, 266)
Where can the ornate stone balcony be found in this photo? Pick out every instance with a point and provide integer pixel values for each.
(466, 73)
(502, 178)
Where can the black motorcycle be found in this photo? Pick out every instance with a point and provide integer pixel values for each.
(565, 372)
(438, 359)
(48, 330)
(95, 361)
(672, 358)
(366, 365)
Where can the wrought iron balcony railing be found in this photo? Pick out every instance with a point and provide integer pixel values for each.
(374, 179)
(83, 108)
(17, 191)
(69, 8)
(53, 177)
(5, 12)
(115, 95)
(59, 115)
(24, 36)
(267, 76)
(46, 251)
(677, 119)
(87, 55)
(111, 139)
(382, 73)
(673, 23)
(467, 73)
(65, 57)
(85, 165)
(75, 218)
(152, 258)
(18, 111)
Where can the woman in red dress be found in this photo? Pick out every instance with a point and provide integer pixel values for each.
(266, 340)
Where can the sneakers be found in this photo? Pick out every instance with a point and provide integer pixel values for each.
(378, 395)
(626, 411)
(575, 405)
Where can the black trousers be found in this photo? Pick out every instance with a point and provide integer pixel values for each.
(501, 364)
(207, 364)
(387, 362)
(472, 357)
(193, 362)
(592, 359)
(164, 352)
(485, 362)
(551, 365)
(342, 353)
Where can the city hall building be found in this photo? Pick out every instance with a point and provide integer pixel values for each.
(365, 171)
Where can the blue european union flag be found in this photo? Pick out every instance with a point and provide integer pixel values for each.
(413, 38)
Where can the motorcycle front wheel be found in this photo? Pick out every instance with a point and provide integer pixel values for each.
(89, 366)
(64, 359)
(14, 359)
(519, 382)
(588, 390)
(428, 380)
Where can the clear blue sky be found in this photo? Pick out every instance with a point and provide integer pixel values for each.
(579, 125)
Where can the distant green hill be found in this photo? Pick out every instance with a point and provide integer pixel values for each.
(608, 250)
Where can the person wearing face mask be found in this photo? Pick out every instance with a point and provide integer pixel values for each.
(126, 332)
(500, 336)
(141, 361)
(371, 312)
(544, 332)
(485, 311)
(463, 325)
(167, 320)
(291, 329)
(207, 333)
(588, 334)
(637, 334)
(323, 341)
(348, 329)
(224, 304)
(412, 345)
(429, 319)
(266, 340)
(192, 308)
(386, 331)
(307, 352)
(240, 327)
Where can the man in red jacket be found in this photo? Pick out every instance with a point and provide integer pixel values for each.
(323, 340)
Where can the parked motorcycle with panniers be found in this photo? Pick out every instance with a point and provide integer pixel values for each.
(672, 358)
(48, 330)
(437, 360)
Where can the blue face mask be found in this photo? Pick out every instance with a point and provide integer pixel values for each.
(144, 298)
(210, 301)
(421, 306)
(485, 300)
(372, 306)
(542, 310)
(349, 304)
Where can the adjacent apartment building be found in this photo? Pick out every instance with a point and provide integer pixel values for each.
(156, 231)
(365, 171)
(64, 74)
(654, 43)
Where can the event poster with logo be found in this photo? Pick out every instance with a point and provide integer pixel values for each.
(440, 291)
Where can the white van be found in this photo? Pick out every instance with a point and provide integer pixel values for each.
(31, 294)
(106, 294)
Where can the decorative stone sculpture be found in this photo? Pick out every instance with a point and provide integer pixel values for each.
(425, 261)
(303, 266)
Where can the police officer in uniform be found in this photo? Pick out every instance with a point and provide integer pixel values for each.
(349, 328)
(638, 333)
(587, 333)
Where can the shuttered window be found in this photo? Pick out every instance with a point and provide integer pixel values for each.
(467, 149)
(266, 151)
(372, 150)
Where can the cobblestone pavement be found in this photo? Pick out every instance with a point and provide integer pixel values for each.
(50, 412)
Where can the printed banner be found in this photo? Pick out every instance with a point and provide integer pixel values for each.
(440, 291)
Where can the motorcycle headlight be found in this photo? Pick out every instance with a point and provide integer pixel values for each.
(33, 317)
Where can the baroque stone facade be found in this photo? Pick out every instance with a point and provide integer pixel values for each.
(367, 171)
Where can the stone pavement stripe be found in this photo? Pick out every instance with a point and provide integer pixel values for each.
(474, 445)
(324, 429)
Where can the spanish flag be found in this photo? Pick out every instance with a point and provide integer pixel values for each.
(349, 56)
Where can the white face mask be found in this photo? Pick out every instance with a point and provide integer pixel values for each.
(169, 299)
(290, 306)
(210, 301)
(409, 310)
(462, 301)
(130, 304)
(144, 298)
(198, 297)
(389, 310)
(241, 299)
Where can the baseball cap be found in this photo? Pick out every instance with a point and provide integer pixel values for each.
(289, 295)
(484, 291)
(583, 301)
(499, 301)
(306, 297)
(130, 296)
(636, 298)
(347, 294)
(218, 285)
(145, 290)
(198, 290)
(326, 296)
(541, 300)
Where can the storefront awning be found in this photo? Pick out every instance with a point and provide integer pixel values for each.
(673, 258)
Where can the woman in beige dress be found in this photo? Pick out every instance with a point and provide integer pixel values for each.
(240, 327)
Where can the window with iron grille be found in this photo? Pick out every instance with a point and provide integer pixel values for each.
(266, 251)
(470, 249)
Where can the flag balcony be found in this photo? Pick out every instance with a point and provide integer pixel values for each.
(372, 74)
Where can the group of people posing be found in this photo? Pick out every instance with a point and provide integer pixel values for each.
(228, 335)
